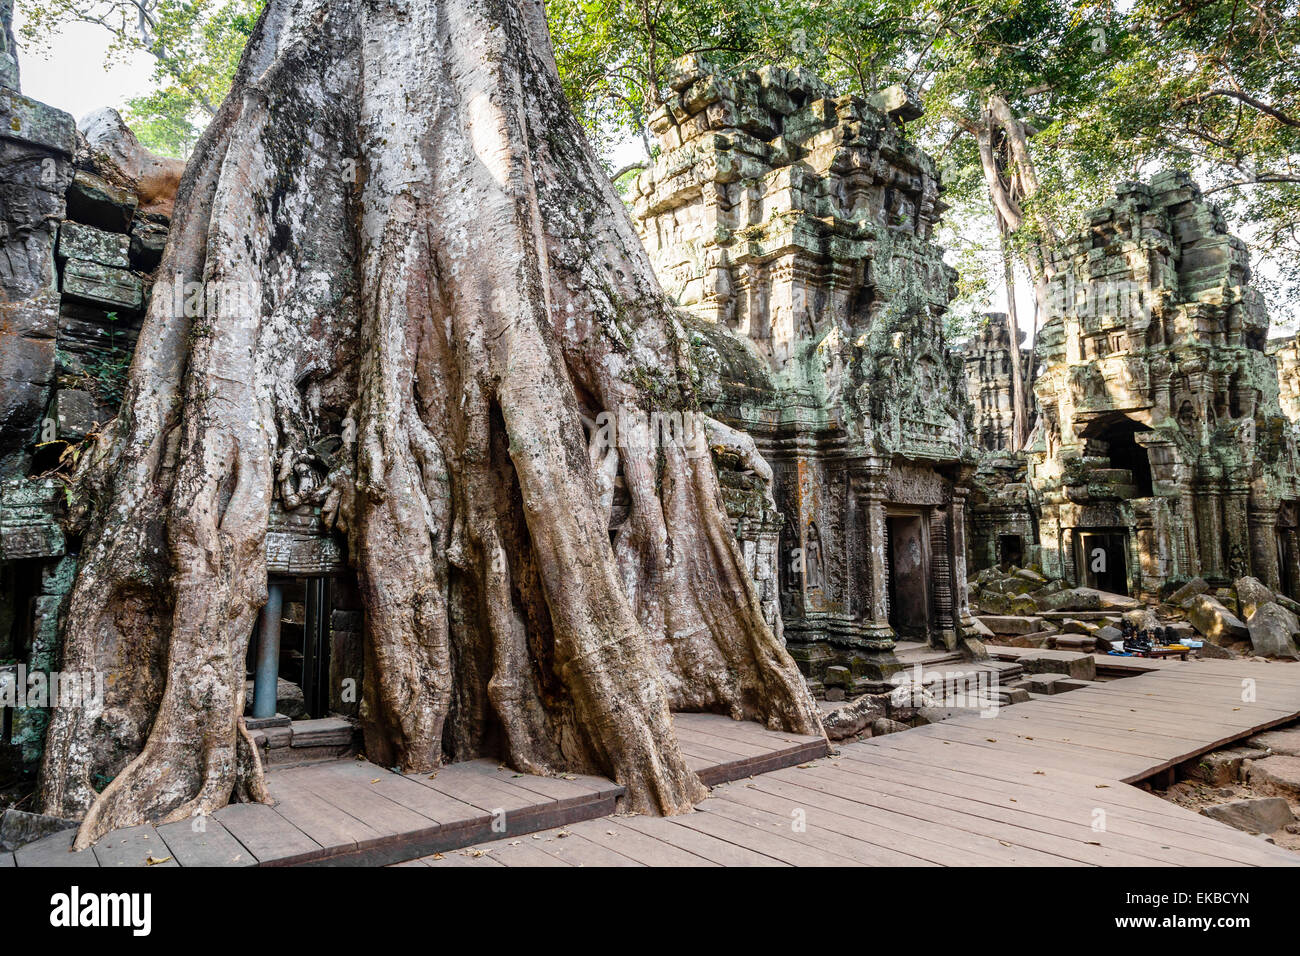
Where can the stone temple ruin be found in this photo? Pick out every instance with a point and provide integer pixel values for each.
(988, 382)
(797, 226)
(1161, 453)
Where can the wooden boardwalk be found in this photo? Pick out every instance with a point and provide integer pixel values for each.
(1042, 783)
(351, 812)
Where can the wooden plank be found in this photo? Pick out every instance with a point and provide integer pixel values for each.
(926, 851)
(325, 823)
(264, 833)
(611, 833)
(937, 842)
(459, 858)
(576, 850)
(133, 846)
(1049, 848)
(746, 731)
(737, 803)
(669, 830)
(564, 789)
(738, 749)
(365, 803)
(521, 853)
(6, 859)
(54, 850)
(1153, 810)
(1074, 822)
(214, 845)
(1149, 834)
(486, 793)
(405, 789)
(754, 834)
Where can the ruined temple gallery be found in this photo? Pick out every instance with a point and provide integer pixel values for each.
(889, 530)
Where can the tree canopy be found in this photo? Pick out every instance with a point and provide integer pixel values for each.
(1072, 96)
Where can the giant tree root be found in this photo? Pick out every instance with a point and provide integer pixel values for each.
(434, 270)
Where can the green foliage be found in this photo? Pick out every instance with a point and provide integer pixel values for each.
(1213, 87)
(1108, 89)
(195, 44)
(612, 53)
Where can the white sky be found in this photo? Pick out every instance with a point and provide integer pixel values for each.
(71, 75)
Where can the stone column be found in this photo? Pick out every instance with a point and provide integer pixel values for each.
(960, 589)
(1291, 542)
(1236, 529)
(869, 486)
(1263, 545)
(8, 49)
(1209, 524)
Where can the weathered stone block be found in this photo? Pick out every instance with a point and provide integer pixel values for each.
(103, 285)
(837, 676)
(1071, 663)
(79, 241)
(883, 725)
(1278, 774)
(898, 102)
(1252, 594)
(1273, 630)
(77, 414)
(1261, 815)
(28, 527)
(1285, 741)
(19, 828)
(33, 122)
(1001, 624)
(148, 240)
(1047, 682)
(97, 202)
(1215, 621)
(1188, 591)
(1223, 767)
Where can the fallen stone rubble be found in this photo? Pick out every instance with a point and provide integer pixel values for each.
(1021, 607)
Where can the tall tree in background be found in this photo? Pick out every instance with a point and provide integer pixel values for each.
(431, 273)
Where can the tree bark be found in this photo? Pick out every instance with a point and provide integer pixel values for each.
(1002, 140)
(441, 280)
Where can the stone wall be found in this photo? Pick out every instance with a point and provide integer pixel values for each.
(1286, 357)
(796, 227)
(75, 269)
(1162, 452)
(989, 382)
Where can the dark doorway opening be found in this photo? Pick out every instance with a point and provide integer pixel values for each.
(1284, 569)
(1011, 551)
(304, 645)
(909, 591)
(1116, 440)
(1104, 560)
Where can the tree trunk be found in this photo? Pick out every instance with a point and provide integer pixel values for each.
(437, 282)
(1019, 394)
(1002, 141)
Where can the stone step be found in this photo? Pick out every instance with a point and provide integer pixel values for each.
(324, 732)
(306, 741)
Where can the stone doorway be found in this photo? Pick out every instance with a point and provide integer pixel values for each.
(290, 651)
(1103, 560)
(1011, 551)
(909, 579)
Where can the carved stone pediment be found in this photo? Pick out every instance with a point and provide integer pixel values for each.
(914, 485)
